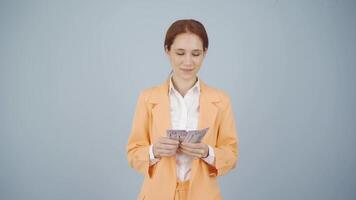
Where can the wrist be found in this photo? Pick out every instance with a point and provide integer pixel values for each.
(207, 152)
(155, 154)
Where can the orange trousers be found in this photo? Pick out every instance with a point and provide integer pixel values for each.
(182, 190)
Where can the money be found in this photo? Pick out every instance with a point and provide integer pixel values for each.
(191, 136)
(177, 134)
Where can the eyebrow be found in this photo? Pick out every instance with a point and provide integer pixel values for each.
(192, 50)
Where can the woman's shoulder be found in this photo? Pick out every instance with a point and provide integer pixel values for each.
(219, 93)
(151, 93)
(221, 97)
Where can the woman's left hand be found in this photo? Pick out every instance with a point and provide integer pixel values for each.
(199, 150)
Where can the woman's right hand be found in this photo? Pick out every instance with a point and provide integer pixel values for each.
(165, 147)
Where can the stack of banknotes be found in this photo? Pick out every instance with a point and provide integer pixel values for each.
(191, 136)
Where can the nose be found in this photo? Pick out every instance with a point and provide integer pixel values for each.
(188, 61)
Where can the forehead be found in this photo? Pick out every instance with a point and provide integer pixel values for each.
(187, 41)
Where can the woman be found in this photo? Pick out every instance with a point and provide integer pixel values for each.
(181, 170)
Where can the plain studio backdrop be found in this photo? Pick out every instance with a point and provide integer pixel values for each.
(71, 72)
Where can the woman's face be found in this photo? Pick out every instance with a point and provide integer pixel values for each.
(186, 55)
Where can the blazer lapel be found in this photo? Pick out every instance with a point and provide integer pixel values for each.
(161, 109)
(207, 116)
(207, 109)
(162, 122)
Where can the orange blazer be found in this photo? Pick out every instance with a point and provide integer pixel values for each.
(152, 119)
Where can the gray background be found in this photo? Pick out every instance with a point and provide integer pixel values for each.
(71, 72)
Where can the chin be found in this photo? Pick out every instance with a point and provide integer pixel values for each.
(187, 76)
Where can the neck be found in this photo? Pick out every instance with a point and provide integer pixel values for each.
(183, 85)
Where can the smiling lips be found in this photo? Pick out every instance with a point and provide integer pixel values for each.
(187, 70)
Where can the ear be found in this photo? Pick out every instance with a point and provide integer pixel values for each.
(205, 52)
(166, 51)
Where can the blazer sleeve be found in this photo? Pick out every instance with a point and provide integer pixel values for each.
(226, 148)
(139, 141)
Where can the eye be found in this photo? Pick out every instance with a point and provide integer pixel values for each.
(180, 54)
(196, 53)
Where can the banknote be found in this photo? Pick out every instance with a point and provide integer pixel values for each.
(190, 136)
(177, 134)
(195, 136)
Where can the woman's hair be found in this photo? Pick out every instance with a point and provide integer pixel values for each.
(186, 26)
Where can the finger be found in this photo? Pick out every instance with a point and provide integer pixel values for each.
(162, 152)
(191, 153)
(166, 146)
(192, 145)
(167, 138)
(189, 148)
(168, 141)
(197, 151)
(168, 153)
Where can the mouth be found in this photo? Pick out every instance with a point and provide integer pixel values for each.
(187, 70)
